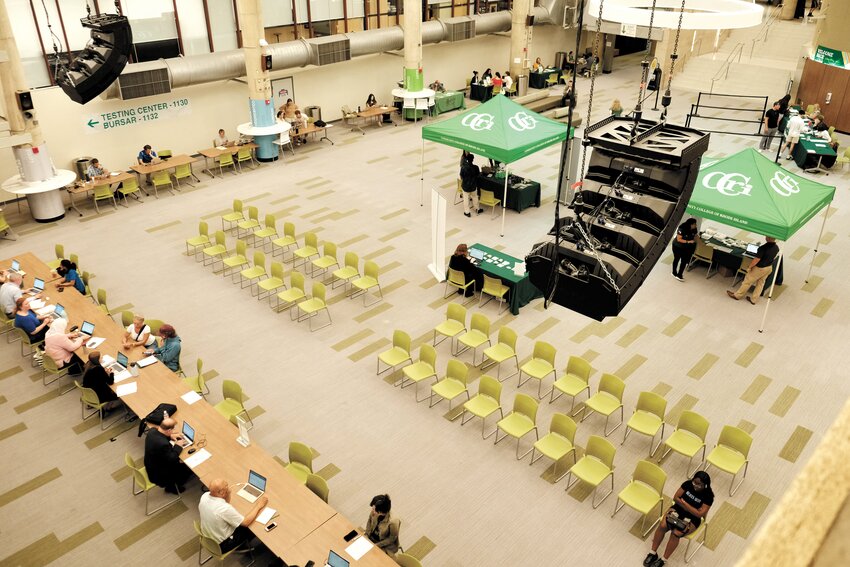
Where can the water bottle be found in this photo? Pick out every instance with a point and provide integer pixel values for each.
(358, 109)
(164, 414)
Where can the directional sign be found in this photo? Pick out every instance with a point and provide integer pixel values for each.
(135, 114)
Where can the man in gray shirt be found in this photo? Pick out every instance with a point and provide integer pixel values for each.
(9, 293)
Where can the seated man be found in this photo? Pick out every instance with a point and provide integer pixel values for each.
(10, 291)
(146, 157)
(221, 139)
(298, 123)
(96, 171)
(162, 457)
(221, 522)
(690, 505)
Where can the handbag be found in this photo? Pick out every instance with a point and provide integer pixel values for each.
(675, 522)
(156, 416)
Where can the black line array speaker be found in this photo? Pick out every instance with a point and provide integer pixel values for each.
(103, 59)
(633, 197)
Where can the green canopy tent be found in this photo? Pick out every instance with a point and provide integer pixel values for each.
(499, 129)
(749, 191)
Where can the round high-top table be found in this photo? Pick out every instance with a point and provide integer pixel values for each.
(264, 137)
(44, 197)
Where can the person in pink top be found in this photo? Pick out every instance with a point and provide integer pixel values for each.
(60, 346)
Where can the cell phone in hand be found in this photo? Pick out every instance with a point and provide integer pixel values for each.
(270, 526)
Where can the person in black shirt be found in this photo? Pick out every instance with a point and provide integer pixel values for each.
(684, 245)
(771, 124)
(690, 504)
(162, 458)
(460, 261)
(100, 379)
(469, 184)
(760, 268)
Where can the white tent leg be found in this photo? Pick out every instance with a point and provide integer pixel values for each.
(505, 200)
(822, 226)
(770, 293)
(422, 175)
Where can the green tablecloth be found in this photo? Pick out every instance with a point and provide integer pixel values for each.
(500, 265)
(811, 149)
(521, 194)
(444, 102)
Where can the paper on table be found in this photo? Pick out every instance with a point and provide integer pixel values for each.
(197, 458)
(266, 515)
(147, 361)
(94, 342)
(126, 389)
(191, 397)
(37, 304)
(359, 547)
(121, 376)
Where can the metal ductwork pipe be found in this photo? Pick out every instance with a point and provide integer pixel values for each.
(493, 22)
(433, 31)
(206, 68)
(375, 41)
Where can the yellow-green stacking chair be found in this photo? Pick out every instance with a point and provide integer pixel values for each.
(552, 79)
(226, 160)
(49, 366)
(215, 252)
(130, 187)
(86, 277)
(845, 158)
(698, 535)
(271, 284)
(232, 404)
(318, 486)
(127, 318)
(143, 483)
(255, 272)
(348, 272)
(183, 171)
(326, 261)
(162, 179)
(300, 461)
(477, 335)
(268, 232)
(250, 224)
(688, 439)
(494, 288)
(286, 241)
(574, 381)
(406, 560)
(648, 419)
(607, 400)
(75, 260)
(457, 281)
(366, 282)
(154, 325)
(214, 549)
(731, 454)
(233, 217)
(90, 401)
(310, 308)
(644, 493)
(290, 296)
(165, 153)
(422, 369)
(488, 199)
(558, 443)
(504, 349)
(485, 403)
(237, 260)
(397, 355)
(103, 193)
(310, 249)
(541, 365)
(520, 422)
(452, 385)
(197, 383)
(28, 345)
(243, 155)
(454, 325)
(198, 242)
(59, 251)
(595, 466)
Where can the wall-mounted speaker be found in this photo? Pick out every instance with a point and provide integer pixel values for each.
(103, 59)
(529, 20)
(25, 100)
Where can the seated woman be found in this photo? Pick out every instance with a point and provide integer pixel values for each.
(381, 529)
(60, 346)
(616, 108)
(138, 334)
(100, 379)
(371, 101)
(538, 66)
(68, 270)
(169, 351)
(460, 261)
(497, 82)
(28, 321)
(690, 505)
(289, 110)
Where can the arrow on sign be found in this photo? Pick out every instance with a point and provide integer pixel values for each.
(92, 122)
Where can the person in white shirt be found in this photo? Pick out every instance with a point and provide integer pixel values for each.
(792, 134)
(221, 139)
(138, 334)
(221, 522)
(10, 292)
(508, 80)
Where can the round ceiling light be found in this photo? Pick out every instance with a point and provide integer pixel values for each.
(699, 14)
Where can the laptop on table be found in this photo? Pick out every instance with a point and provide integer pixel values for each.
(334, 560)
(87, 328)
(255, 488)
(16, 267)
(119, 367)
(188, 434)
(752, 249)
(37, 286)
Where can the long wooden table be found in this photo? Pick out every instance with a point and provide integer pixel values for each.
(170, 163)
(307, 526)
(311, 128)
(375, 114)
(89, 186)
(212, 153)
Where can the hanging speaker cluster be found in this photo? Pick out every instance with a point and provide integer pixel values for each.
(637, 186)
(103, 59)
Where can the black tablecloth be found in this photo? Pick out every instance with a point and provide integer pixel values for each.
(480, 92)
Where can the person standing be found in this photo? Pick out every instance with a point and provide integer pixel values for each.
(760, 267)
(792, 134)
(684, 246)
(509, 81)
(469, 184)
(221, 522)
(771, 124)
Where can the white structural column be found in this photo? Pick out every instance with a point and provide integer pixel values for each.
(412, 25)
(259, 85)
(520, 37)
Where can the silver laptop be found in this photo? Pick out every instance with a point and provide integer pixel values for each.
(87, 328)
(476, 253)
(752, 249)
(334, 560)
(37, 286)
(188, 434)
(255, 488)
(119, 367)
(59, 311)
(16, 267)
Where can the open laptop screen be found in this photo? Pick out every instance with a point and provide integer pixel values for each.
(87, 328)
(334, 560)
(122, 359)
(752, 248)
(188, 432)
(38, 284)
(257, 480)
(476, 253)
(60, 311)
(16, 266)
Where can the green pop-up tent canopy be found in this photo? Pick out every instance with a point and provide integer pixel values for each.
(499, 129)
(749, 191)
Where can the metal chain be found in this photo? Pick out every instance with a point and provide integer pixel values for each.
(586, 143)
(596, 255)
(645, 68)
(675, 47)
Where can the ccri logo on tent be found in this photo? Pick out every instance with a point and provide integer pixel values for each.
(784, 184)
(522, 121)
(729, 184)
(478, 121)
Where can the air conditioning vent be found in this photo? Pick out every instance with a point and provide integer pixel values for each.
(331, 49)
(145, 79)
(569, 17)
(460, 29)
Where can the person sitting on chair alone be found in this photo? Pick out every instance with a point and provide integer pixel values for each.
(221, 522)
(162, 457)
(381, 529)
(221, 139)
(460, 261)
(146, 157)
(169, 351)
(96, 171)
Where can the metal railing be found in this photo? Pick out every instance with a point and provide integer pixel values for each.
(724, 68)
(765, 29)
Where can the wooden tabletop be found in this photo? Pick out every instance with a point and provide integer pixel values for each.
(310, 128)
(330, 535)
(301, 513)
(173, 161)
(375, 111)
(111, 180)
(219, 150)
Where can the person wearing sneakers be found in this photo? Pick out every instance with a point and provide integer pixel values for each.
(684, 245)
(469, 183)
(690, 505)
(792, 134)
(760, 268)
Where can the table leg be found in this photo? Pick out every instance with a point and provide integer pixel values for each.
(817, 168)
(73, 204)
(207, 168)
(325, 136)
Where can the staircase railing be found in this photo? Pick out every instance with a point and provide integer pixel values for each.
(724, 68)
(765, 29)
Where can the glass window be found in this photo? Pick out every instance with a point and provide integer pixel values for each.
(279, 12)
(193, 27)
(26, 37)
(223, 24)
